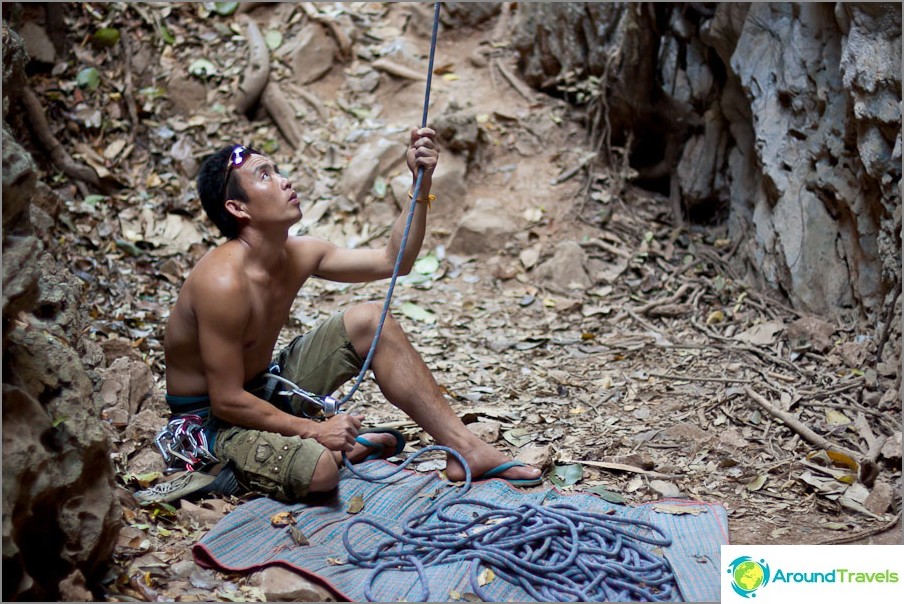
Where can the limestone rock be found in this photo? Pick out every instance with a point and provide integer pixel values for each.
(456, 130)
(282, 585)
(486, 431)
(372, 159)
(19, 180)
(313, 56)
(482, 229)
(565, 270)
(38, 43)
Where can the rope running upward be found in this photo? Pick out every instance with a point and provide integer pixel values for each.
(398, 263)
(555, 552)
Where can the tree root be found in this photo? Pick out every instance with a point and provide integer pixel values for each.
(400, 71)
(345, 44)
(280, 109)
(59, 155)
(257, 73)
(867, 462)
(129, 90)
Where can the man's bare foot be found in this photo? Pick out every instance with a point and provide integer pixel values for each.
(483, 458)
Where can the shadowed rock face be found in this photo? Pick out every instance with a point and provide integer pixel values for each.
(61, 515)
(781, 120)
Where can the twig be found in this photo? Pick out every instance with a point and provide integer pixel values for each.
(513, 81)
(58, 154)
(128, 89)
(345, 45)
(670, 300)
(690, 378)
(257, 72)
(806, 433)
(400, 71)
(570, 173)
(864, 533)
(856, 383)
(623, 467)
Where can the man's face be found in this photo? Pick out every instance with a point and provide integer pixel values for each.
(270, 194)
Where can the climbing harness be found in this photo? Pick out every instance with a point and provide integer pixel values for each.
(183, 444)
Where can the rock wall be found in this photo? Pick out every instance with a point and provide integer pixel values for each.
(61, 514)
(781, 120)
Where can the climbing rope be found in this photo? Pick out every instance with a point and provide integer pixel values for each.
(555, 552)
(415, 194)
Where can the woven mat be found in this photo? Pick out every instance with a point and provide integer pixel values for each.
(245, 540)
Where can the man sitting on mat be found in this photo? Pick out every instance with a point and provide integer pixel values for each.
(222, 330)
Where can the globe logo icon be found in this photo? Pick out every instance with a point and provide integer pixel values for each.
(748, 575)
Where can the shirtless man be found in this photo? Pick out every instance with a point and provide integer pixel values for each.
(221, 334)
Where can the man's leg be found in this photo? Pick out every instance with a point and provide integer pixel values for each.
(407, 383)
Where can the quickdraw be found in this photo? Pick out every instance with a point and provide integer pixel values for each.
(183, 444)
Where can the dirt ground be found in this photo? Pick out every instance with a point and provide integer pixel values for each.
(640, 377)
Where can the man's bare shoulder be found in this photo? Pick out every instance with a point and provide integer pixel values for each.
(219, 272)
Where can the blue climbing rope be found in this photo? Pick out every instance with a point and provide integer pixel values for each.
(415, 194)
(556, 553)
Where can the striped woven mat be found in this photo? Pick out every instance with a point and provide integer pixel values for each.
(246, 540)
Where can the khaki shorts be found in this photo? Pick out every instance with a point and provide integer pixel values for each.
(280, 466)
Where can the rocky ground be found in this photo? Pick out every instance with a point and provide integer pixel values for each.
(567, 319)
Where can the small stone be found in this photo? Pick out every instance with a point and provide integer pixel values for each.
(488, 432)
(282, 585)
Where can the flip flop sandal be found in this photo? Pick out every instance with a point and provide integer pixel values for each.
(379, 453)
(516, 482)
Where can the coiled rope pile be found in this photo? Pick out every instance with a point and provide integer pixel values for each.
(555, 553)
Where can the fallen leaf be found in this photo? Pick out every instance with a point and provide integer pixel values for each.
(282, 519)
(836, 418)
(486, 577)
(567, 475)
(606, 495)
(335, 561)
(678, 510)
(297, 536)
(413, 311)
(757, 483)
(355, 504)
(716, 316)
(763, 334)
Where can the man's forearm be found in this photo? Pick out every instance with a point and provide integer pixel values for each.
(415, 235)
(249, 411)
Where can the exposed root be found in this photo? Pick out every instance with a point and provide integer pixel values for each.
(58, 154)
(257, 73)
(281, 111)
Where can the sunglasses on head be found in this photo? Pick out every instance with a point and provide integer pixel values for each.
(240, 153)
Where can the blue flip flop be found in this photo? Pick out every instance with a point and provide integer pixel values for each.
(378, 454)
(515, 482)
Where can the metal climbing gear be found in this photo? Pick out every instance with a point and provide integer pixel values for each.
(183, 444)
(313, 406)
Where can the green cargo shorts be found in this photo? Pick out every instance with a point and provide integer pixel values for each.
(281, 467)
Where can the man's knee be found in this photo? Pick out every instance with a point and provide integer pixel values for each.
(326, 474)
(361, 322)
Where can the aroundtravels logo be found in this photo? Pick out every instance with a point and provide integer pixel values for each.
(748, 575)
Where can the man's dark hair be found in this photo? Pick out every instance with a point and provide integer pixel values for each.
(213, 197)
